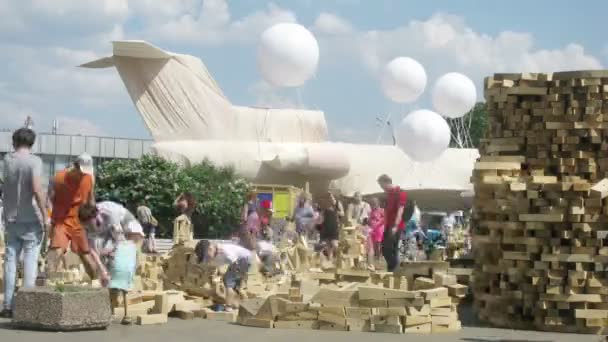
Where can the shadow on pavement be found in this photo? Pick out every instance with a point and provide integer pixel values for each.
(6, 325)
(500, 340)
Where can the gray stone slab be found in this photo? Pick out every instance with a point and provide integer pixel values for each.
(62, 309)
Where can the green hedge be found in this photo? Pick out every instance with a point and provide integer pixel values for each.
(219, 193)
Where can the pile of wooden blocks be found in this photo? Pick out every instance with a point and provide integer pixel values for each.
(2, 248)
(149, 273)
(357, 307)
(351, 251)
(540, 203)
(155, 307)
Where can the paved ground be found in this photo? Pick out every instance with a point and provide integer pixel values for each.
(203, 330)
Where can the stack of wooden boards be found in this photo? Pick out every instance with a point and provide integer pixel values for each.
(2, 249)
(358, 306)
(540, 203)
(351, 251)
(149, 274)
(155, 307)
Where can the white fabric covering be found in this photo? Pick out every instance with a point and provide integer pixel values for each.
(191, 119)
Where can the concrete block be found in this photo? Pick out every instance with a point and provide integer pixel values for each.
(62, 308)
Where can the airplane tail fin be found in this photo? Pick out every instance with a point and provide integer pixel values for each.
(178, 99)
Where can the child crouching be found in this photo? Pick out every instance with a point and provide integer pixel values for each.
(117, 234)
(238, 259)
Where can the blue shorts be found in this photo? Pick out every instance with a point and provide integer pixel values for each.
(236, 274)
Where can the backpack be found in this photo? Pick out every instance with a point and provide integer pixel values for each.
(408, 211)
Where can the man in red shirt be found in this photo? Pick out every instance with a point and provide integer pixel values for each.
(393, 222)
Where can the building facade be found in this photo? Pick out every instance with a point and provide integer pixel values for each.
(59, 150)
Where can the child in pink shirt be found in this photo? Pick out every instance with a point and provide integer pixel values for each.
(376, 223)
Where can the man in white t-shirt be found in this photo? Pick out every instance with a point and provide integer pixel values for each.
(267, 253)
(219, 254)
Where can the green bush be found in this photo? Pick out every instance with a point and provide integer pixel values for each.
(219, 193)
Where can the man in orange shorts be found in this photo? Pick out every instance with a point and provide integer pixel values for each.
(70, 189)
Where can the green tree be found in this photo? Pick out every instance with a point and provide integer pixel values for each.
(473, 124)
(157, 182)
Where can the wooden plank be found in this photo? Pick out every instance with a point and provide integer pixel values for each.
(152, 319)
(589, 313)
(375, 293)
(541, 217)
(308, 325)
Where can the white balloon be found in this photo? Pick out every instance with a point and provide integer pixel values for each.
(288, 55)
(454, 95)
(403, 80)
(423, 135)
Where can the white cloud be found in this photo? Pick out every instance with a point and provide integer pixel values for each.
(444, 43)
(78, 126)
(214, 24)
(65, 18)
(327, 23)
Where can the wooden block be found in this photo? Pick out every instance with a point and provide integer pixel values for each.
(185, 315)
(256, 323)
(152, 319)
(458, 290)
(358, 313)
(251, 307)
(444, 320)
(443, 311)
(299, 316)
(328, 317)
(418, 329)
(440, 302)
(389, 311)
(359, 325)
(288, 307)
(444, 279)
(385, 320)
(373, 303)
(161, 304)
(401, 302)
(591, 314)
(222, 316)
(376, 293)
(423, 310)
(435, 293)
(416, 320)
(541, 217)
(482, 165)
(389, 329)
(422, 283)
(314, 325)
(328, 297)
(188, 305)
(332, 326)
(454, 326)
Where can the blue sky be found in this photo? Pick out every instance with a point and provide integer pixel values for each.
(41, 42)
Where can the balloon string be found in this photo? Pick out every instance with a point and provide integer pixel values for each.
(299, 96)
(384, 124)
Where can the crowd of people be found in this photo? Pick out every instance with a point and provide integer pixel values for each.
(107, 236)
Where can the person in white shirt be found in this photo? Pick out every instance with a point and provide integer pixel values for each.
(267, 253)
(113, 233)
(107, 224)
(358, 212)
(219, 254)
